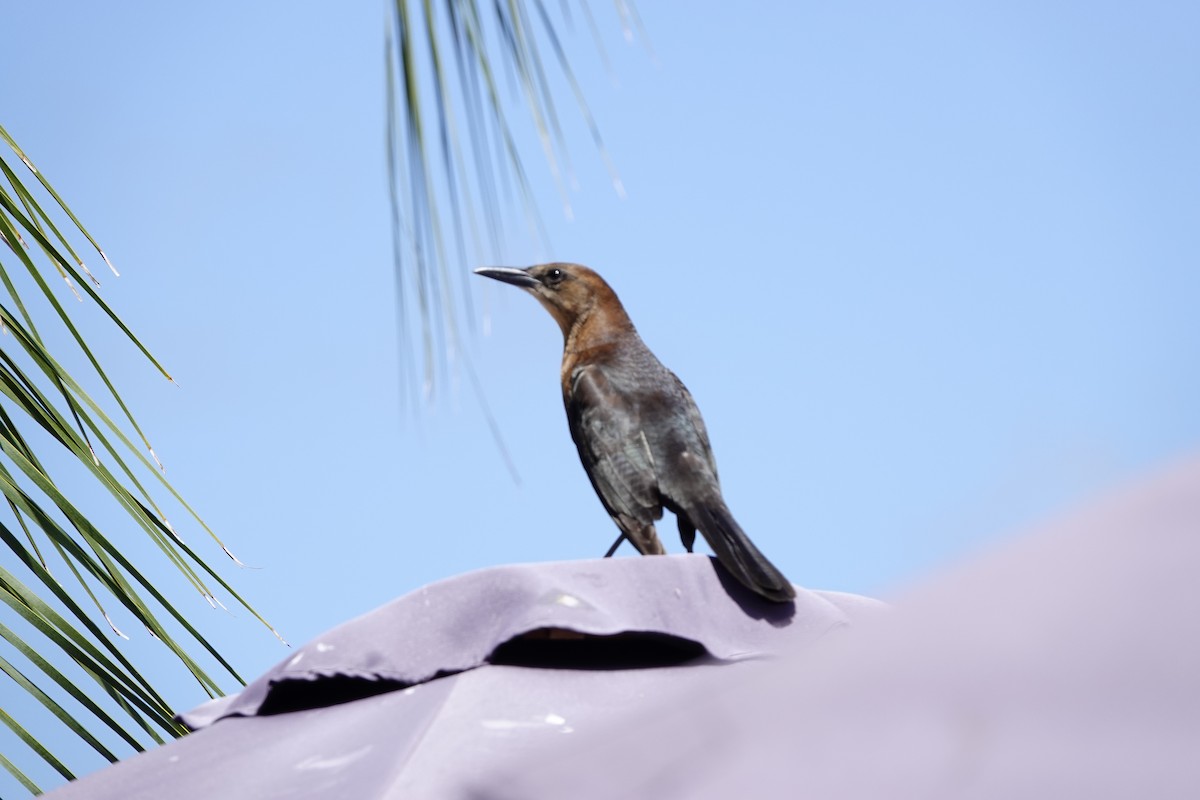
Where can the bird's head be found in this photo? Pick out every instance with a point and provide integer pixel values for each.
(571, 293)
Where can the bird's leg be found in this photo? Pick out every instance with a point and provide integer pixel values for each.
(615, 545)
(687, 532)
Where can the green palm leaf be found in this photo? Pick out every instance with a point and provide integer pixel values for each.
(435, 178)
(54, 552)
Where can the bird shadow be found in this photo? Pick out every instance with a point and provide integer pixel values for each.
(779, 615)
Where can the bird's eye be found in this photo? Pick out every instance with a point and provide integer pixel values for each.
(554, 277)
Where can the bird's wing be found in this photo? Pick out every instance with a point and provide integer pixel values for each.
(697, 424)
(614, 451)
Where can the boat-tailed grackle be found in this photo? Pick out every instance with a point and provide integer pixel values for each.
(639, 433)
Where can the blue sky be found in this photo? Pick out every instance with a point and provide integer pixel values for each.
(929, 270)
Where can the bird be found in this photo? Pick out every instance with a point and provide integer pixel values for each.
(638, 431)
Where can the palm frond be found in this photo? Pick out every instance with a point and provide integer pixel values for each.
(64, 569)
(454, 159)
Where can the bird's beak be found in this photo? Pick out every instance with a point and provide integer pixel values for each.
(517, 277)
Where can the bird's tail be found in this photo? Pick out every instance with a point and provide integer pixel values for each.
(738, 554)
